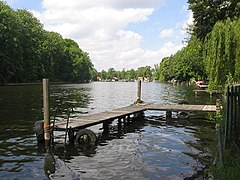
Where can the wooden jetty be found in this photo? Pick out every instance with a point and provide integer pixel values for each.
(204, 88)
(197, 91)
(75, 127)
(125, 112)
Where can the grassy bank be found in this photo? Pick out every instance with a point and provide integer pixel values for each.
(230, 169)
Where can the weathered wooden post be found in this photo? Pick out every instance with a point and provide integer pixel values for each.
(218, 105)
(238, 110)
(139, 92)
(119, 123)
(235, 113)
(106, 127)
(168, 114)
(46, 111)
(220, 149)
(49, 163)
(139, 89)
(231, 116)
(226, 135)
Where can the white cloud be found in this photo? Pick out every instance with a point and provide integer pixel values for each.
(114, 4)
(188, 22)
(166, 33)
(99, 29)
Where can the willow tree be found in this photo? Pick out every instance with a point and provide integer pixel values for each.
(219, 54)
(236, 27)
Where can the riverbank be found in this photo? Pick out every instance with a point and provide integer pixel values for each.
(229, 168)
(40, 83)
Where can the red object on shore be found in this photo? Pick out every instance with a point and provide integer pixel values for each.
(200, 82)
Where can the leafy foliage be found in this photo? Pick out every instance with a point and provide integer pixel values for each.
(146, 72)
(207, 12)
(221, 56)
(28, 52)
(213, 51)
(185, 64)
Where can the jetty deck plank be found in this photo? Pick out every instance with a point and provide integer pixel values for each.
(93, 119)
(182, 107)
(205, 90)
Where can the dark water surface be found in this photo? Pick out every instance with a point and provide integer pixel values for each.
(151, 148)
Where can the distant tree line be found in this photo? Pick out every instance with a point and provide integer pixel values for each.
(28, 52)
(146, 72)
(213, 50)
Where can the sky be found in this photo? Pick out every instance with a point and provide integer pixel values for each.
(121, 34)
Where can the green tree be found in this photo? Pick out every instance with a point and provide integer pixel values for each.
(236, 27)
(111, 73)
(31, 37)
(185, 64)
(131, 74)
(104, 74)
(221, 55)
(207, 12)
(29, 53)
(9, 44)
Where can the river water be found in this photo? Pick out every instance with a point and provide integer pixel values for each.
(150, 148)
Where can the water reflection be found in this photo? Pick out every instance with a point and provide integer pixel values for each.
(71, 96)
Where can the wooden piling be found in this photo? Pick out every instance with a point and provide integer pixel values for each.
(235, 113)
(238, 111)
(220, 148)
(46, 111)
(168, 114)
(231, 115)
(119, 123)
(139, 92)
(139, 89)
(218, 105)
(226, 135)
(106, 127)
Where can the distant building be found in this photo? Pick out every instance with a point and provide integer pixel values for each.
(145, 79)
(114, 79)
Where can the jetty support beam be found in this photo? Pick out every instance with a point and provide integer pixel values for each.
(168, 114)
(106, 127)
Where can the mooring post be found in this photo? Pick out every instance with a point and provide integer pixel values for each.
(218, 105)
(139, 92)
(139, 89)
(46, 111)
